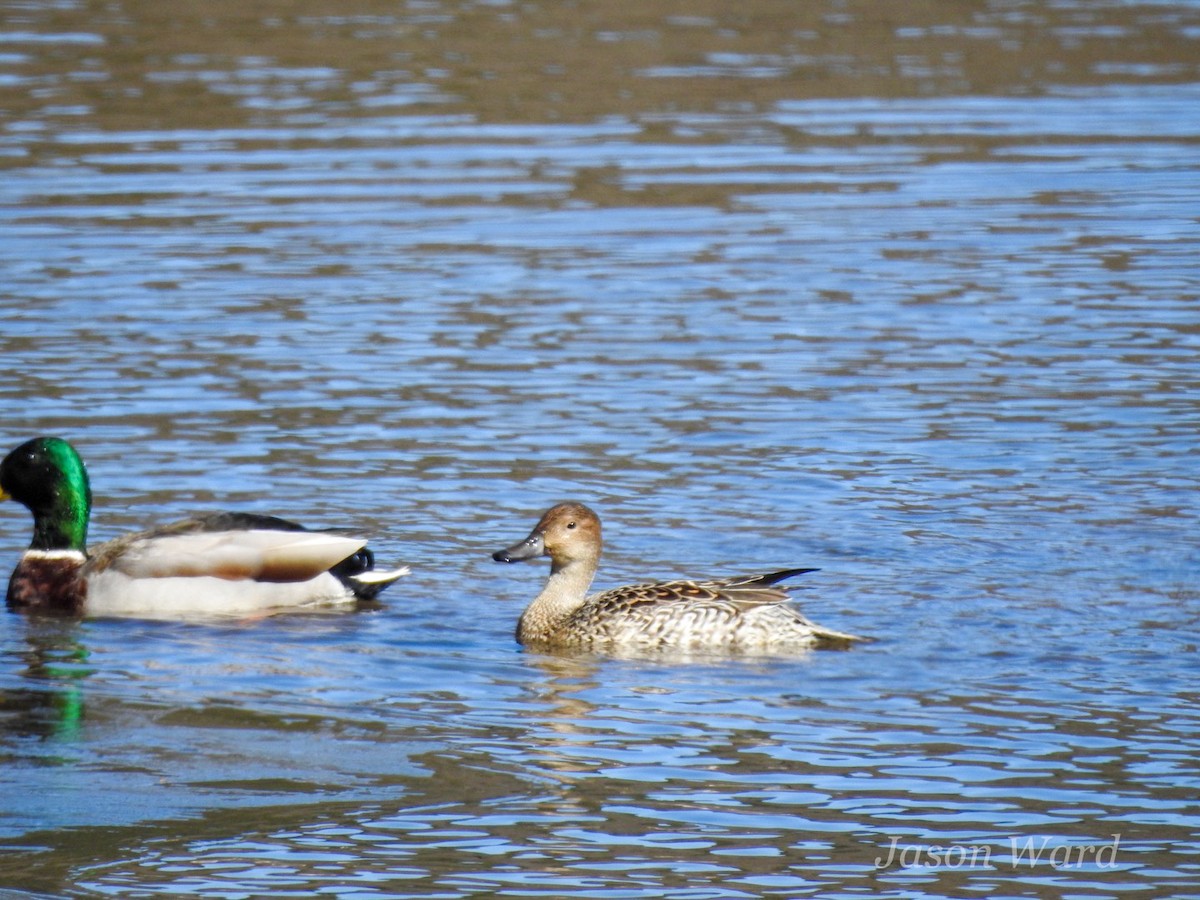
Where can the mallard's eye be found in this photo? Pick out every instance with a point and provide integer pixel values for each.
(570, 524)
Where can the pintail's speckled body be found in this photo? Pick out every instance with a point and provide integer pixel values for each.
(735, 615)
(214, 564)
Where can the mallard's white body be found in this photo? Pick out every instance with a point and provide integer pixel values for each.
(114, 593)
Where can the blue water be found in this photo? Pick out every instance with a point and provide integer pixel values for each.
(940, 341)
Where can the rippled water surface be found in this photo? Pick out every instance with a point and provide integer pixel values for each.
(904, 291)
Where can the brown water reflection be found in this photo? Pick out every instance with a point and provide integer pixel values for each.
(222, 64)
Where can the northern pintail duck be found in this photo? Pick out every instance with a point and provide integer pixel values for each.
(746, 615)
(217, 563)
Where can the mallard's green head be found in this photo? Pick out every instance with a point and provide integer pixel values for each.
(47, 476)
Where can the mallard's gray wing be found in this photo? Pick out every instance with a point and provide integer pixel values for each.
(260, 555)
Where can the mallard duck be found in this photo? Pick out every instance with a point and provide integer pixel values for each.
(746, 615)
(216, 563)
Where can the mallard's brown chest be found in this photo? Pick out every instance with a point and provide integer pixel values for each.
(48, 582)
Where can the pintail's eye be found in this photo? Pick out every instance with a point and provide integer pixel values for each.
(570, 524)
